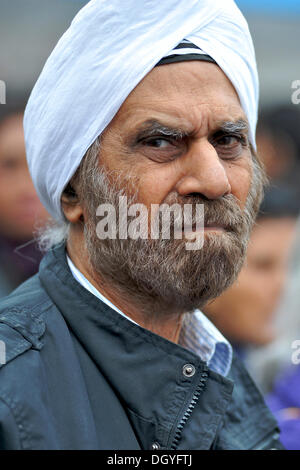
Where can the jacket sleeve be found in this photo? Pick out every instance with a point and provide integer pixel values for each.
(9, 435)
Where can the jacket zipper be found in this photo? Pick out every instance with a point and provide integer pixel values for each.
(190, 408)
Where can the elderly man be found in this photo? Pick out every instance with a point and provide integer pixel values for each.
(140, 106)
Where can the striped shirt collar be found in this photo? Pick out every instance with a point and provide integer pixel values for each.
(197, 334)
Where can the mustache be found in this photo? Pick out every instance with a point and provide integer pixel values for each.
(225, 212)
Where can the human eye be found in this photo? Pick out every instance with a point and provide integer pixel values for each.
(230, 146)
(158, 142)
(161, 148)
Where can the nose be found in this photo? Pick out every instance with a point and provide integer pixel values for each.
(203, 172)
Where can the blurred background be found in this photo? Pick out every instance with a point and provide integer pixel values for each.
(260, 314)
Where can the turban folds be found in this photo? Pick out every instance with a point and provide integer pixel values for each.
(108, 49)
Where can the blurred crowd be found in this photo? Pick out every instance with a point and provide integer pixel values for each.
(259, 313)
(21, 212)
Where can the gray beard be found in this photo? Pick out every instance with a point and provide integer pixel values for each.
(162, 273)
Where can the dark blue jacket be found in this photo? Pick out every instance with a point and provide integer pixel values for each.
(80, 376)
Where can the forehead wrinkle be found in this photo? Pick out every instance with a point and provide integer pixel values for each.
(192, 102)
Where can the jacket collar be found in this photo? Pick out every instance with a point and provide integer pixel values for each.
(197, 334)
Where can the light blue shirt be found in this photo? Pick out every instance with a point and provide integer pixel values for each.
(197, 334)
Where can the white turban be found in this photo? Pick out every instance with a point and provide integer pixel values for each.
(108, 49)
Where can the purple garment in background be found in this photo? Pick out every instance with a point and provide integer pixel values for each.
(19, 260)
(284, 402)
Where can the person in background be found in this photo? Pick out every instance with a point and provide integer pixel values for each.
(20, 209)
(278, 143)
(245, 312)
(276, 367)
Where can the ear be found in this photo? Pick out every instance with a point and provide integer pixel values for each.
(71, 206)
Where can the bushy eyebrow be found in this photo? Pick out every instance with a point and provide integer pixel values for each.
(233, 126)
(153, 127)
